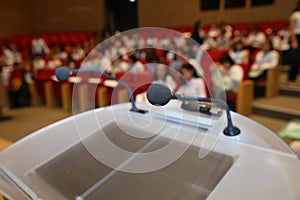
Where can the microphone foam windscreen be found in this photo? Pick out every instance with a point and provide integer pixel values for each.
(158, 94)
(62, 73)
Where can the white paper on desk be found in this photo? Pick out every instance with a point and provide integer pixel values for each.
(110, 83)
(74, 79)
(95, 80)
(53, 78)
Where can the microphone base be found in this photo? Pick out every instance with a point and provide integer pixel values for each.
(139, 111)
(231, 131)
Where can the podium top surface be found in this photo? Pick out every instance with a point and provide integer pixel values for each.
(167, 153)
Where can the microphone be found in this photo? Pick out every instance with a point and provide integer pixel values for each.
(63, 73)
(159, 95)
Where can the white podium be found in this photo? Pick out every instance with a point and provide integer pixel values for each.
(167, 153)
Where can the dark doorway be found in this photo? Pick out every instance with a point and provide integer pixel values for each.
(122, 14)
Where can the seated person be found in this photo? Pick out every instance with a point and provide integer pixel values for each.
(176, 63)
(18, 88)
(78, 53)
(160, 75)
(238, 53)
(232, 75)
(17, 55)
(119, 65)
(228, 29)
(39, 63)
(3, 98)
(165, 42)
(213, 32)
(209, 43)
(284, 34)
(276, 40)
(8, 56)
(39, 47)
(135, 66)
(266, 58)
(223, 41)
(256, 38)
(60, 52)
(239, 35)
(192, 85)
(53, 62)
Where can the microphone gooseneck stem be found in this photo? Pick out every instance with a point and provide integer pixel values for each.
(134, 107)
(230, 130)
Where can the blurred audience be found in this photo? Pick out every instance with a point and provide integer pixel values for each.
(53, 62)
(232, 75)
(19, 94)
(38, 63)
(196, 33)
(78, 53)
(256, 38)
(3, 95)
(226, 28)
(275, 39)
(192, 84)
(213, 32)
(162, 75)
(135, 66)
(16, 54)
(8, 56)
(119, 65)
(120, 57)
(238, 53)
(39, 47)
(223, 41)
(295, 45)
(266, 58)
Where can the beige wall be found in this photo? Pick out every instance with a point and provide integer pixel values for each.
(19, 17)
(167, 12)
(67, 15)
(184, 13)
(31, 16)
(14, 18)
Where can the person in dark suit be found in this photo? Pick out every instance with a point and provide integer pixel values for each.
(295, 45)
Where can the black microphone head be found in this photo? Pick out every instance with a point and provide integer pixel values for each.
(158, 94)
(62, 73)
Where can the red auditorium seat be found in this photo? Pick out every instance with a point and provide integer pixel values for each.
(215, 54)
(206, 28)
(279, 25)
(53, 39)
(124, 76)
(42, 76)
(63, 39)
(74, 39)
(25, 42)
(244, 28)
(266, 27)
(246, 68)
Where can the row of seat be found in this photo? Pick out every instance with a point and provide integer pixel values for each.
(73, 38)
(245, 94)
(52, 39)
(90, 94)
(245, 28)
